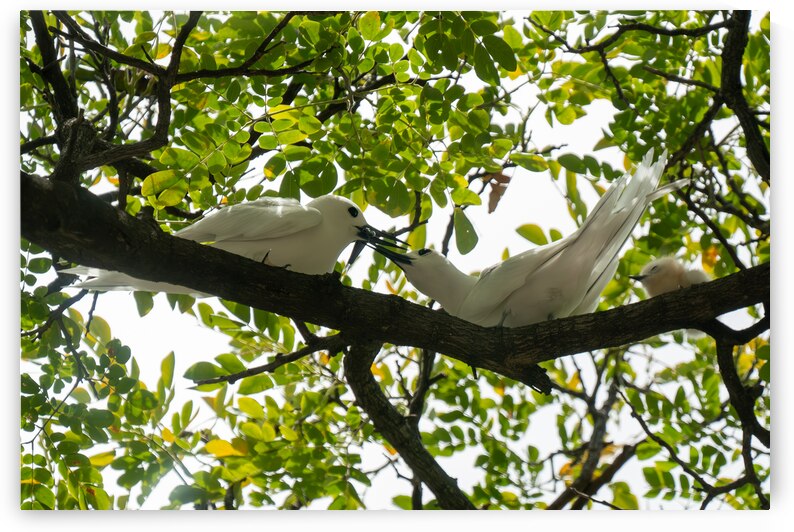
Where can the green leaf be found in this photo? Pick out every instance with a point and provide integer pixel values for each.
(216, 162)
(183, 494)
(143, 399)
(39, 265)
(572, 162)
(484, 27)
(647, 450)
(465, 196)
(465, 236)
(202, 371)
(100, 418)
(230, 363)
(233, 92)
(533, 233)
(622, 497)
(268, 432)
(288, 433)
(144, 302)
(44, 496)
(255, 384)
(566, 114)
(157, 182)
(167, 369)
(291, 136)
(100, 329)
(533, 163)
(184, 159)
(501, 52)
(484, 67)
(268, 142)
(513, 37)
(309, 124)
(252, 430)
(369, 25)
(251, 407)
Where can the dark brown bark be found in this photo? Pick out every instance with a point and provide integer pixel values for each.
(398, 430)
(732, 92)
(74, 224)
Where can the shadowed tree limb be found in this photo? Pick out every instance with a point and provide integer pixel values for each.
(103, 237)
(398, 430)
(731, 90)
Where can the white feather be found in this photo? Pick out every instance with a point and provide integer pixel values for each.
(556, 280)
(277, 231)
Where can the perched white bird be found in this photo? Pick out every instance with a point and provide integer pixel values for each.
(560, 279)
(667, 274)
(276, 231)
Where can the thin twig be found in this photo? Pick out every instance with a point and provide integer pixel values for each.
(330, 343)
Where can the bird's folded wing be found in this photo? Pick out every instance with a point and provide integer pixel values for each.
(255, 220)
(498, 282)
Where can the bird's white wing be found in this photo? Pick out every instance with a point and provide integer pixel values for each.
(696, 277)
(499, 281)
(255, 220)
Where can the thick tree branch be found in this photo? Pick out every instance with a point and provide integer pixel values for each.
(64, 104)
(74, 224)
(397, 430)
(731, 90)
(742, 398)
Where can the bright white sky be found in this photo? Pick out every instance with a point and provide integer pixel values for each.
(530, 199)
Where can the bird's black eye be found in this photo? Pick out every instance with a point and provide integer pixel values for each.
(654, 268)
(424, 251)
(353, 212)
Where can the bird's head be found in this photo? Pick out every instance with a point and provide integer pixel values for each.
(345, 215)
(661, 275)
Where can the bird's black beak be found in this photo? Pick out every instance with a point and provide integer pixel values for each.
(358, 247)
(374, 235)
(371, 236)
(637, 277)
(397, 258)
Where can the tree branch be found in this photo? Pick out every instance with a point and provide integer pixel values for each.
(331, 343)
(77, 33)
(76, 225)
(397, 430)
(64, 103)
(731, 90)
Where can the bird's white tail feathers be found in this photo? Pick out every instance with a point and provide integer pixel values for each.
(666, 189)
(84, 270)
(614, 226)
(111, 280)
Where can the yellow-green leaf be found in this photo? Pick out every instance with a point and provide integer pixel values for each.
(268, 432)
(251, 407)
(157, 182)
(533, 233)
(288, 433)
(222, 448)
(102, 459)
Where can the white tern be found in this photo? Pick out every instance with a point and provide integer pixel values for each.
(276, 231)
(667, 274)
(560, 279)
